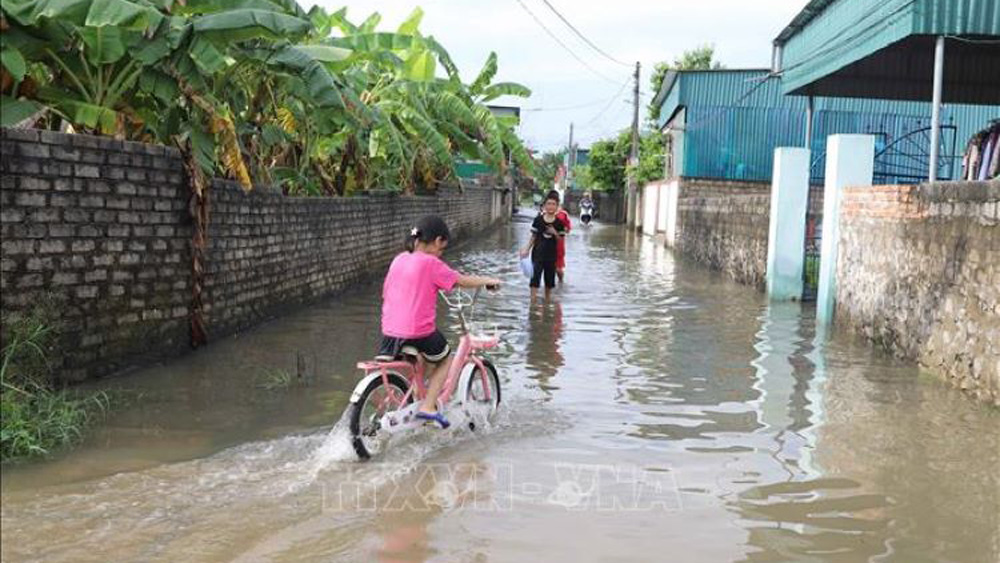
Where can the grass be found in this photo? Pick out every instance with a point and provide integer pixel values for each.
(275, 378)
(37, 418)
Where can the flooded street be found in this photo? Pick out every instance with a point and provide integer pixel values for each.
(653, 410)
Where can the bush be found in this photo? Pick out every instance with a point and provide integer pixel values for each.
(35, 417)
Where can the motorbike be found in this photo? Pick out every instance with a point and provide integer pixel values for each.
(586, 212)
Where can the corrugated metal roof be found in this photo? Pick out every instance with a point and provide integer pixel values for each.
(802, 19)
(931, 17)
(957, 17)
(845, 31)
(864, 48)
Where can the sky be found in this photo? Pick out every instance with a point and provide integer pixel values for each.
(595, 94)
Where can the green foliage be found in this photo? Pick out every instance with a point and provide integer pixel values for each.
(548, 166)
(608, 166)
(35, 418)
(358, 108)
(608, 161)
(699, 58)
(651, 155)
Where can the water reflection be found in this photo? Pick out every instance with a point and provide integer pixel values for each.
(544, 356)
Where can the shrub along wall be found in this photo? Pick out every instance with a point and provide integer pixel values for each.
(101, 227)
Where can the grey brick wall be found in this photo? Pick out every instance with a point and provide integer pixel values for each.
(101, 228)
(724, 225)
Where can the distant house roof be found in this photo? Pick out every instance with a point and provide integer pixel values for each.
(885, 49)
(512, 111)
(716, 87)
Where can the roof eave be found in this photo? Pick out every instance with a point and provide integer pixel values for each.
(802, 19)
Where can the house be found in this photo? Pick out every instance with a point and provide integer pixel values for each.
(725, 124)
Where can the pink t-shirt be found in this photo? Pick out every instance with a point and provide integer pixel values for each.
(409, 295)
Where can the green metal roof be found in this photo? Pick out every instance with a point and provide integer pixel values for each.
(471, 169)
(861, 48)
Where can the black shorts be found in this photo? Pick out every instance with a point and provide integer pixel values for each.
(433, 347)
(548, 268)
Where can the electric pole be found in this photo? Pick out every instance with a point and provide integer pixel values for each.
(633, 158)
(570, 160)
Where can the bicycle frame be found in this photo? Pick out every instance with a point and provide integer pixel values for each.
(465, 355)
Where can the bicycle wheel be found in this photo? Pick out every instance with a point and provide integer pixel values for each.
(377, 399)
(481, 396)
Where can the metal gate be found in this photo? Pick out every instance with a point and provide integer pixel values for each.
(811, 248)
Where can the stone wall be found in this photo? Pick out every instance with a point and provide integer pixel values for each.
(100, 229)
(724, 225)
(918, 271)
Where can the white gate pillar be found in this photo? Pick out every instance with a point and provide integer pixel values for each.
(850, 161)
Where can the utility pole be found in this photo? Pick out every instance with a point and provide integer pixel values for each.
(570, 160)
(633, 158)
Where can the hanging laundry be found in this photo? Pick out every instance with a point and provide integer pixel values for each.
(982, 154)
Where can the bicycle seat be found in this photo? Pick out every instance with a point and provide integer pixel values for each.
(403, 352)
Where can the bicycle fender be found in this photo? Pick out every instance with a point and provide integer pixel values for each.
(363, 384)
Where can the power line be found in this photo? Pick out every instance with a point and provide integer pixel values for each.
(563, 45)
(832, 45)
(974, 41)
(611, 102)
(567, 108)
(726, 107)
(582, 36)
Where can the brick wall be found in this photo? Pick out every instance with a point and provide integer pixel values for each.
(918, 271)
(267, 251)
(101, 228)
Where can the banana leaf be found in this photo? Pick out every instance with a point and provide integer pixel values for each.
(123, 14)
(373, 42)
(324, 53)
(80, 112)
(103, 45)
(163, 87)
(494, 91)
(29, 12)
(208, 58)
(13, 61)
(412, 22)
(200, 7)
(485, 76)
(419, 65)
(241, 25)
(14, 111)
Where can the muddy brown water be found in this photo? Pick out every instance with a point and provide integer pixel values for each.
(653, 411)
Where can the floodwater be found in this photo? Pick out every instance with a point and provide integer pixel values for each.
(653, 411)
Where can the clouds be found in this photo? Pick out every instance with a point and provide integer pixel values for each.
(643, 30)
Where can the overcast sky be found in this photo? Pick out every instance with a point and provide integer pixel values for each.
(629, 30)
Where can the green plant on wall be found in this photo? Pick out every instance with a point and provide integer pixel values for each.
(256, 91)
(35, 417)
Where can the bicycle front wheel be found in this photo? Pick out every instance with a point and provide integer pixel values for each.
(481, 395)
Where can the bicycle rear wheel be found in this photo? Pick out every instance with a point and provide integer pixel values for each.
(379, 397)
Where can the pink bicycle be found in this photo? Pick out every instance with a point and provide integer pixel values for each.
(386, 400)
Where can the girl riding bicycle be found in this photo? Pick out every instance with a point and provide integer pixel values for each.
(409, 299)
